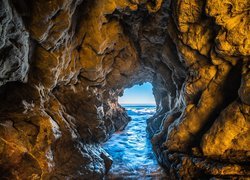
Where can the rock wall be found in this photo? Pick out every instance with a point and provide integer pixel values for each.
(64, 63)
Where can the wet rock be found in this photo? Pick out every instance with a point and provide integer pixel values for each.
(107, 160)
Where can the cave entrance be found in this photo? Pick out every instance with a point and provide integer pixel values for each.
(138, 95)
(131, 150)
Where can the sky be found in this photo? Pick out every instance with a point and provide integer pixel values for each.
(138, 95)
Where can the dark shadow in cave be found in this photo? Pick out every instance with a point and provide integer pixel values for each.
(131, 148)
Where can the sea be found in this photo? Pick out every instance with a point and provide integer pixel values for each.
(131, 150)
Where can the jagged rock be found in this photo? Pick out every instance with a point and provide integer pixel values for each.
(85, 53)
(229, 137)
(233, 16)
(14, 45)
(244, 91)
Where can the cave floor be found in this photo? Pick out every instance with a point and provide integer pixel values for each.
(131, 150)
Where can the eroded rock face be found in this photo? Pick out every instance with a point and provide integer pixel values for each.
(84, 53)
(14, 45)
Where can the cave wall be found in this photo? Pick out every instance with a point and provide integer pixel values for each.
(64, 63)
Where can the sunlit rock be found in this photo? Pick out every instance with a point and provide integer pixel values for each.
(64, 63)
(229, 137)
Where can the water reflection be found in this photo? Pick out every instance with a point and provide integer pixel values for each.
(131, 150)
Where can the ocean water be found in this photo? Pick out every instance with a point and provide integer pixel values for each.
(131, 150)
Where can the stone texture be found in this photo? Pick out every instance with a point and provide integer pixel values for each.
(233, 16)
(82, 54)
(14, 45)
(229, 136)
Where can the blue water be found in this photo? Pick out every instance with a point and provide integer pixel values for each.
(131, 150)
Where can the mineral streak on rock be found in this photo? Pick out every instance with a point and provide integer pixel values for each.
(63, 64)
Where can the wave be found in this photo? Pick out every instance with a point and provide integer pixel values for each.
(141, 111)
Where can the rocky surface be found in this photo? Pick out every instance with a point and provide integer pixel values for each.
(63, 65)
(14, 45)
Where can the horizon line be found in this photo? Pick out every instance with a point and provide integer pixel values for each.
(137, 103)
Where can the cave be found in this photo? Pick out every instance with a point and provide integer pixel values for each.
(130, 147)
(64, 63)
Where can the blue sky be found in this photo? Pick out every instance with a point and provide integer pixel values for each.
(138, 95)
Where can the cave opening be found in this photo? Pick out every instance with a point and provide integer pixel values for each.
(138, 95)
(130, 148)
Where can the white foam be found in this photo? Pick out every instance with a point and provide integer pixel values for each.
(143, 110)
